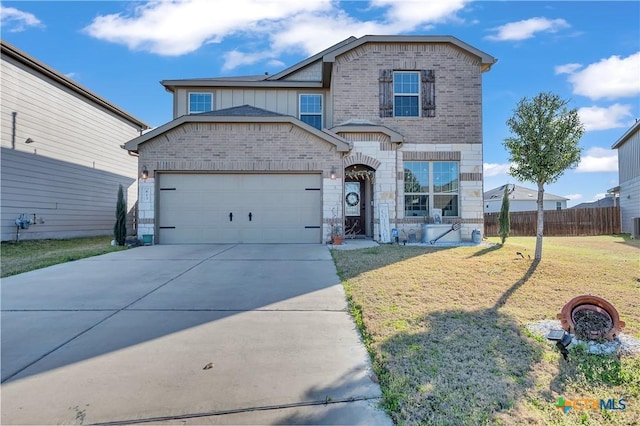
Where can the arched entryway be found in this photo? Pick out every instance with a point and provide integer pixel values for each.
(358, 201)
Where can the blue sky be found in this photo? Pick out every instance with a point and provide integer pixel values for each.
(586, 51)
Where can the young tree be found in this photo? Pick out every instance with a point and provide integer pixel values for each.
(544, 143)
(120, 227)
(503, 220)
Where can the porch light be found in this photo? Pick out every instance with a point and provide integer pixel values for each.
(145, 172)
(332, 174)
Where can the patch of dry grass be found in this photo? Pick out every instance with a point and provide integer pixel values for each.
(28, 255)
(445, 328)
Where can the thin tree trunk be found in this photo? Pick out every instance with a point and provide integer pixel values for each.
(540, 224)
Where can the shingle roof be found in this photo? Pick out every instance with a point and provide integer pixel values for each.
(519, 193)
(326, 57)
(239, 114)
(603, 202)
(241, 111)
(627, 135)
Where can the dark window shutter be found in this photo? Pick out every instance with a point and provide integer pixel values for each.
(386, 93)
(428, 89)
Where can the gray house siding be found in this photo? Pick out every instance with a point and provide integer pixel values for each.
(311, 72)
(629, 175)
(282, 101)
(68, 200)
(68, 174)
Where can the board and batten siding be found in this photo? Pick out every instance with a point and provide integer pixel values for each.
(282, 101)
(629, 172)
(69, 175)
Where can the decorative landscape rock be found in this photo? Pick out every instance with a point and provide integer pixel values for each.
(623, 344)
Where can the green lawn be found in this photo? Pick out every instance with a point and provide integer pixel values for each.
(28, 255)
(446, 329)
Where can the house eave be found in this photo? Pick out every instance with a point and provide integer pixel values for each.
(627, 135)
(394, 136)
(341, 144)
(318, 56)
(486, 60)
(21, 57)
(171, 85)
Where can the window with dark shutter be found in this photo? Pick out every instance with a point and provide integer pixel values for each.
(399, 93)
(386, 93)
(428, 92)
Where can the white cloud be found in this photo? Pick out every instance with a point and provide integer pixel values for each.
(599, 196)
(527, 28)
(567, 68)
(598, 118)
(179, 27)
(234, 59)
(573, 197)
(14, 20)
(274, 63)
(412, 13)
(610, 78)
(598, 160)
(495, 169)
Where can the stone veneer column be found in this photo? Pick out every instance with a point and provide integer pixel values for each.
(146, 207)
(331, 203)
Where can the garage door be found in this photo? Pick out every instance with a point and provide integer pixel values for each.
(239, 208)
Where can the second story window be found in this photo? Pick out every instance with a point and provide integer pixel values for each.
(311, 110)
(200, 102)
(406, 94)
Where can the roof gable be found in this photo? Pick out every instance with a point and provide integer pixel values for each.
(240, 111)
(486, 59)
(239, 114)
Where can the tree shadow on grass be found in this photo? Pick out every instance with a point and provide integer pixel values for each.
(370, 258)
(487, 250)
(465, 367)
(627, 240)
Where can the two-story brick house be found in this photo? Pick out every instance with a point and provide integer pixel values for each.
(373, 133)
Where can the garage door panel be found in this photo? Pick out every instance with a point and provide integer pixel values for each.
(197, 207)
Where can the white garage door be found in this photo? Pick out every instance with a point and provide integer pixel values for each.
(239, 208)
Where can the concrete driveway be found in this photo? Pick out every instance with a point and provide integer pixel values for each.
(185, 334)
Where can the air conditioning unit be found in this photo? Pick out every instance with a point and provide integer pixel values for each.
(636, 228)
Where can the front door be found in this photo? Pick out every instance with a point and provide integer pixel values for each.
(354, 208)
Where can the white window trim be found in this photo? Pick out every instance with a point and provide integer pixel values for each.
(418, 95)
(431, 193)
(321, 114)
(198, 93)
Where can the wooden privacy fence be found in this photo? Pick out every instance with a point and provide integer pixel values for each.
(572, 222)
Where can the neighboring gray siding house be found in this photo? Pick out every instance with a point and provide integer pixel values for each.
(61, 156)
(521, 199)
(610, 200)
(373, 133)
(628, 147)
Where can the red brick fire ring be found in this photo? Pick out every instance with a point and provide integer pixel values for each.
(595, 303)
